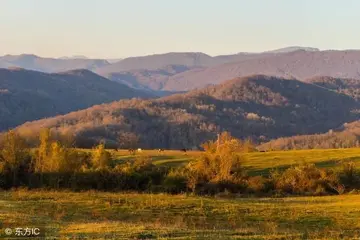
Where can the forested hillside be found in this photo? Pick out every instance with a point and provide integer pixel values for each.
(350, 87)
(345, 136)
(28, 95)
(258, 107)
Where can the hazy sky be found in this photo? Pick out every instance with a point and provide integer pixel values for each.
(121, 28)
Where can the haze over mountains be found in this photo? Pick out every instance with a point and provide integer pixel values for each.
(279, 93)
(299, 64)
(50, 65)
(186, 71)
(37, 63)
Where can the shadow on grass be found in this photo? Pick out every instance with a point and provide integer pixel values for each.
(324, 164)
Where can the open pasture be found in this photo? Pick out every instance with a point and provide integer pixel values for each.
(256, 162)
(98, 215)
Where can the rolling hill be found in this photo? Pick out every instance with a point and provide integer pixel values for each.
(29, 95)
(259, 107)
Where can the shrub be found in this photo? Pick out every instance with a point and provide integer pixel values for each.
(219, 166)
(349, 176)
(175, 181)
(306, 179)
(258, 184)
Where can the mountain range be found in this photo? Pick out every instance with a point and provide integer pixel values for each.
(260, 107)
(274, 94)
(49, 65)
(299, 64)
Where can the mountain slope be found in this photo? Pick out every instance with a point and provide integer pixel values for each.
(260, 107)
(350, 87)
(32, 62)
(28, 95)
(148, 79)
(152, 72)
(299, 64)
(153, 62)
(345, 136)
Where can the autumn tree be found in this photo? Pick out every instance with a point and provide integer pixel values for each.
(101, 159)
(57, 159)
(221, 162)
(43, 151)
(13, 153)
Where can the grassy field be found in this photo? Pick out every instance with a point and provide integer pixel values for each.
(256, 162)
(98, 215)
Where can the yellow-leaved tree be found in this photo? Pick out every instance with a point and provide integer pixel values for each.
(101, 159)
(41, 161)
(221, 161)
(13, 153)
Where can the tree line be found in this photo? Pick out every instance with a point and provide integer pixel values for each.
(219, 170)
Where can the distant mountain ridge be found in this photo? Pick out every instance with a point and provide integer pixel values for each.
(197, 70)
(298, 64)
(293, 49)
(149, 79)
(106, 66)
(74, 57)
(50, 65)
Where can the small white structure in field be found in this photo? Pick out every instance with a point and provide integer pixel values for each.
(139, 150)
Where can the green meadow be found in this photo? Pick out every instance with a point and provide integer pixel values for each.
(256, 163)
(127, 215)
(98, 215)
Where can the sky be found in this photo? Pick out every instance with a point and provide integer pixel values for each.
(123, 28)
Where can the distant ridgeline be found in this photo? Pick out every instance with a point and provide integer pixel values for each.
(325, 96)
